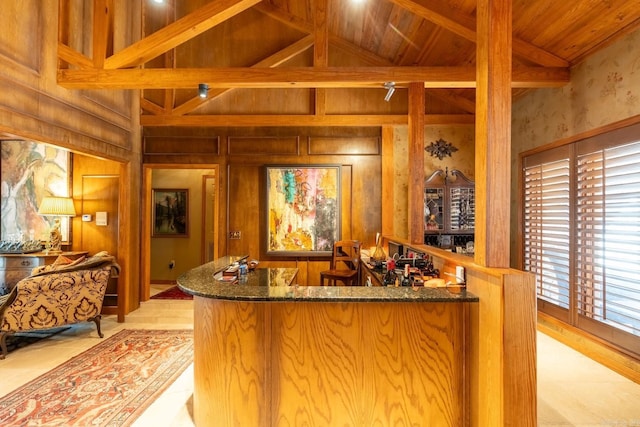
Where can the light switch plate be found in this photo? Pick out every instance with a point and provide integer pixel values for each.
(101, 218)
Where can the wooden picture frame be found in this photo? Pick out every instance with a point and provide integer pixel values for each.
(170, 212)
(303, 209)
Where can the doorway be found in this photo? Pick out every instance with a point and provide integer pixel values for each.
(168, 254)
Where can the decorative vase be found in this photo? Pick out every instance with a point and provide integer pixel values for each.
(378, 255)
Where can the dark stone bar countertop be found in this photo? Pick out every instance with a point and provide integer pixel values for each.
(276, 284)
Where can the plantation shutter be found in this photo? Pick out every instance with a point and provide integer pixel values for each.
(546, 224)
(608, 236)
(581, 233)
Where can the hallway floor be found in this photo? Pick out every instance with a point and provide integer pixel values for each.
(573, 390)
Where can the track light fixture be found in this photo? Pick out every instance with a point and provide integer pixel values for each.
(203, 88)
(390, 87)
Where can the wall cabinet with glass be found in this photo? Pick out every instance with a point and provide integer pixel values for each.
(449, 210)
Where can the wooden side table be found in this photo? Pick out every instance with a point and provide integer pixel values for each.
(15, 267)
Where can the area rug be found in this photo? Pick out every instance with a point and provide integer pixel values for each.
(110, 384)
(173, 292)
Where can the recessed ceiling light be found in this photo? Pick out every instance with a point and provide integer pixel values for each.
(158, 1)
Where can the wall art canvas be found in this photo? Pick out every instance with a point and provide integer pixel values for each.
(170, 212)
(31, 171)
(303, 210)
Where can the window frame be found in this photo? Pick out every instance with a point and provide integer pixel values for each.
(601, 139)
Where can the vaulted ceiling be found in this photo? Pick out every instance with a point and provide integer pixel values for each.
(323, 45)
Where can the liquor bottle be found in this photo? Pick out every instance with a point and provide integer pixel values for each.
(405, 276)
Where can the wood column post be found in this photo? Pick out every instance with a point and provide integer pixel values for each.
(320, 50)
(493, 132)
(416, 162)
(388, 196)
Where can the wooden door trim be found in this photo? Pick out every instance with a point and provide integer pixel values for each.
(145, 257)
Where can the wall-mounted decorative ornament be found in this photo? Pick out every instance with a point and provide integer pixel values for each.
(440, 149)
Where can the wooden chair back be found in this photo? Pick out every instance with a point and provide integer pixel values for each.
(345, 263)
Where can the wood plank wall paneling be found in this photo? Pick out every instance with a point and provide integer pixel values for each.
(343, 146)
(242, 183)
(261, 146)
(95, 187)
(33, 103)
(99, 194)
(245, 184)
(171, 146)
(29, 28)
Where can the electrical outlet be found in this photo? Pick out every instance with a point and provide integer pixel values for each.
(172, 264)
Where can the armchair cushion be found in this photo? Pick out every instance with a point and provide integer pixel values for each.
(60, 262)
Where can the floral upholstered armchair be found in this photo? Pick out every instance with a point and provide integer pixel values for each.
(55, 295)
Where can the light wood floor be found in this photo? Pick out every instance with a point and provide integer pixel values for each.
(572, 389)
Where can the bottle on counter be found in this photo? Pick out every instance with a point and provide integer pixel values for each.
(390, 278)
(391, 264)
(406, 281)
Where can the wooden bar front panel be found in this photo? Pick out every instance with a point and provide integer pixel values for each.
(304, 363)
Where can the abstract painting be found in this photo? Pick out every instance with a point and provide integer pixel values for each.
(31, 171)
(303, 210)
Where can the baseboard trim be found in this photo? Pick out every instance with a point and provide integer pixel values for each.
(591, 346)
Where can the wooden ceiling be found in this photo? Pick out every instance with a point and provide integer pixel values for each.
(324, 44)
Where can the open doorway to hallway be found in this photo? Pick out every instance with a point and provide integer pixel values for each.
(180, 220)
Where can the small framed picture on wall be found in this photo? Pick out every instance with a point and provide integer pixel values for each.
(170, 212)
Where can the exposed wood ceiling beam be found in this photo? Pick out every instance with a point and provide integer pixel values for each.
(298, 77)
(464, 26)
(300, 120)
(151, 107)
(102, 30)
(289, 52)
(321, 34)
(73, 57)
(182, 30)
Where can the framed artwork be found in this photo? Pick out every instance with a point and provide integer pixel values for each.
(303, 209)
(170, 212)
(30, 172)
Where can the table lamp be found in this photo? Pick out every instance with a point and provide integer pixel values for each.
(56, 207)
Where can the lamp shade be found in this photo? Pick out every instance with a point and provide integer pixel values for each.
(57, 206)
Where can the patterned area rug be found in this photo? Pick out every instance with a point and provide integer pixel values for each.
(110, 384)
(173, 292)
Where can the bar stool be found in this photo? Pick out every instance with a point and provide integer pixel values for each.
(345, 264)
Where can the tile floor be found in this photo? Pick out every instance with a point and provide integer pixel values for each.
(565, 398)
